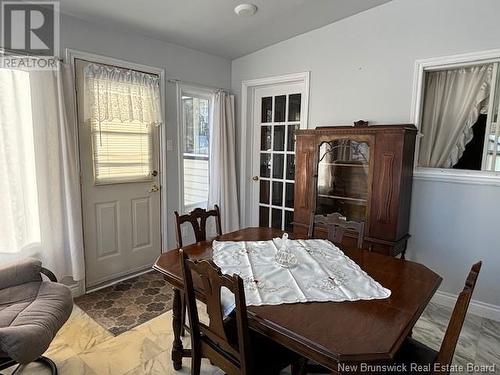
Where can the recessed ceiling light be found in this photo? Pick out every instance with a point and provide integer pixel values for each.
(245, 10)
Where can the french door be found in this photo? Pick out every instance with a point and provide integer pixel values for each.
(278, 113)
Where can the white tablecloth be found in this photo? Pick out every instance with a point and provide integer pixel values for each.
(322, 273)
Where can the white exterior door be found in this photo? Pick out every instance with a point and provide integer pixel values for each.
(121, 211)
(278, 112)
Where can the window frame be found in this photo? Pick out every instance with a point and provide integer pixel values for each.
(199, 92)
(441, 63)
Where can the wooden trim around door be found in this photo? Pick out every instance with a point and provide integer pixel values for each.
(247, 92)
(71, 55)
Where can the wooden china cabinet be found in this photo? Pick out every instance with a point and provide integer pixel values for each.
(363, 172)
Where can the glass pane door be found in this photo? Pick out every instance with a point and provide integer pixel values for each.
(279, 119)
(343, 178)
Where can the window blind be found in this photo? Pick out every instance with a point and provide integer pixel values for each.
(122, 151)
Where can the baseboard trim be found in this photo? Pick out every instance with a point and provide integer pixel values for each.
(482, 309)
(107, 283)
(77, 289)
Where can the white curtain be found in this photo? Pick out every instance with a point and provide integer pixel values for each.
(222, 186)
(123, 95)
(453, 101)
(39, 188)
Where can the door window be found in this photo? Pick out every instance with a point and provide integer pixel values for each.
(123, 108)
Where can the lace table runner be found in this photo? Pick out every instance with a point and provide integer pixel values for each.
(322, 273)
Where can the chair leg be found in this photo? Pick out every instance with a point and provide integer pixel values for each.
(314, 368)
(403, 253)
(299, 367)
(183, 315)
(195, 362)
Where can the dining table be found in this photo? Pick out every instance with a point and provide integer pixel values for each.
(328, 333)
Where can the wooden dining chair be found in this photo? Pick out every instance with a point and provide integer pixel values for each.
(336, 225)
(417, 353)
(413, 351)
(227, 343)
(198, 219)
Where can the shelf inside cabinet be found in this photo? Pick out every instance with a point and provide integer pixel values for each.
(336, 164)
(358, 200)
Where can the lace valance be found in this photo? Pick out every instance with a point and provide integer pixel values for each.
(122, 95)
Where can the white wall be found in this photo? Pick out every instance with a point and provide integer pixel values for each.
(362, 68)
(179, 62)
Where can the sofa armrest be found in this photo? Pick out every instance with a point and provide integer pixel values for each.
(20, 272)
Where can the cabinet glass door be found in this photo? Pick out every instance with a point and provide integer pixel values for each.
(280, 117)
(343, 178)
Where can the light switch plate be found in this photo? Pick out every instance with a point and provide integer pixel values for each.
(170, 145)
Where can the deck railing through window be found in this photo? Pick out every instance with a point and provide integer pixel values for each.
(195, 179)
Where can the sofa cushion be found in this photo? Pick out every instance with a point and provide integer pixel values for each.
(30, 316)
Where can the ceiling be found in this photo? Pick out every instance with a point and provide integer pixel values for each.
(211, 25)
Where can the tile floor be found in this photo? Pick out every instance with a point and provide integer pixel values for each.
(83, 347)
(129, 303)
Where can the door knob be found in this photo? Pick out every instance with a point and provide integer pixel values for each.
(255, 178)
(154, 188)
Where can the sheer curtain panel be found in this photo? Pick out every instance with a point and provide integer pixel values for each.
(39, 188)
(453, 101)
(222, 186)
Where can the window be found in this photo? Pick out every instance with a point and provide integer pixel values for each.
(195, 113)
(19, 197)
(460, 112)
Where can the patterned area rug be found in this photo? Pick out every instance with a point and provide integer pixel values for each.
(125, 305)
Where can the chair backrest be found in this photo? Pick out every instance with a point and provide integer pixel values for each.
(445, 355)
(336, 225)
(216, 341)
(198, 219)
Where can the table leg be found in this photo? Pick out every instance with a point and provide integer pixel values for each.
(177, 350)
